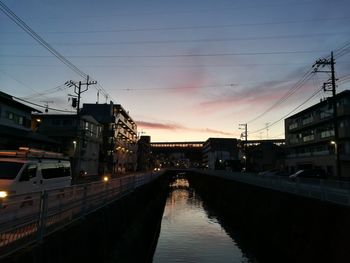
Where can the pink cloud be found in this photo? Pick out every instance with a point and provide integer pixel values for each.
(158, 126)
(177, 127)
(257, 97)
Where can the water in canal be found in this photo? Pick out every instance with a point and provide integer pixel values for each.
(188, 235)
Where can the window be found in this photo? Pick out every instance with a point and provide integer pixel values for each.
(9, 170)
(327, 133)
(28, 173)
(326, 113)
(20, 120)
(9, 115)
(55, 170)
(307, 119)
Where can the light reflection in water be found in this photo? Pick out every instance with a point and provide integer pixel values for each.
(188, 235)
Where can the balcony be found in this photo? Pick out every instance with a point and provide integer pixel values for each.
(307, 120)
(308, 154)
(309, 138)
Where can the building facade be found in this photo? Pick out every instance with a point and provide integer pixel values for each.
(80, 139)
(15, 126)
(221, 153)
(310, 137)
(144, 154)
(119, 138)
(177, 154)
(265, 155)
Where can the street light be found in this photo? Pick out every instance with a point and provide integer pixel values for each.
(336, 155)
(245, 163)
(335, 146)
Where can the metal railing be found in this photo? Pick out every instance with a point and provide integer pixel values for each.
(328, 190)
(27, 219)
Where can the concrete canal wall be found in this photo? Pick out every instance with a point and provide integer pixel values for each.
(276, 226)
(124, 231)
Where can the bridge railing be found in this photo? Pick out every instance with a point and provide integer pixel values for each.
(26, 219)
(329, 190)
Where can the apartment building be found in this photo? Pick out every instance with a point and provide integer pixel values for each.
(80, 139)
(119, 137)
(310, 137)
(221, 153)
(15, 126)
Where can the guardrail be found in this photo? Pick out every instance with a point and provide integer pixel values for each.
(328, 190)
(27, 219)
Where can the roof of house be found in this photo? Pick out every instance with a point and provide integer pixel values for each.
(8, 99)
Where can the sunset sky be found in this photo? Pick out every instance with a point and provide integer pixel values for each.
(185, 70)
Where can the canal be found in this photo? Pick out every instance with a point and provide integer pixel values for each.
(191, 233)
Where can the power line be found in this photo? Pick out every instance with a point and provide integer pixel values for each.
(342, 50)
(292, 111)
(194, 11)
(288, 94)
(143, 42)
(41, 106)
(20, 82)
(46, 92)
(196, 27)
(177, 55)
(169, 65)
(41, 41)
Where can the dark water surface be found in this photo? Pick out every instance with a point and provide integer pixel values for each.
(188, 235)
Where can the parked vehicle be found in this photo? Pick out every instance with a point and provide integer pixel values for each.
(30, 170)
(309, 173)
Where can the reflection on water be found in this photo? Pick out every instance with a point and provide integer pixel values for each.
(188, 235)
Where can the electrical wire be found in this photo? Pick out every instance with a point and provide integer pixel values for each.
(288, 94)
(288, 114)
(41, 41)
(41, 106)
(341, 51)
(177, 55)
(48, 91)
(216, 40)
(7, 11)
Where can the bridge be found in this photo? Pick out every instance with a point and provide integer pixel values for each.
(27, 220)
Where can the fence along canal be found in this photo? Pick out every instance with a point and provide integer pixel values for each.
(27, 219)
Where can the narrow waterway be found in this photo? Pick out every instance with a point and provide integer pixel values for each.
(188, 235)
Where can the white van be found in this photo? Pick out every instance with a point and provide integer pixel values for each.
(30, 170)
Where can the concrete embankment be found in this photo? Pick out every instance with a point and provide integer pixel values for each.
(276, 226)
(124, 231)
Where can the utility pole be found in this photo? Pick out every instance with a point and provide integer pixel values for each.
(267, 130)
(76, 102)
(330, 86)
(245, 136)
(47, 104)
(78, 89)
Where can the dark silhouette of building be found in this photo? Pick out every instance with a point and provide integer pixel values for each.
(310, 137)
(221, 153)
(80, 139)
(15, 126)
(265, 156)
(144, 157)
(119, 137)
(177, 154)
